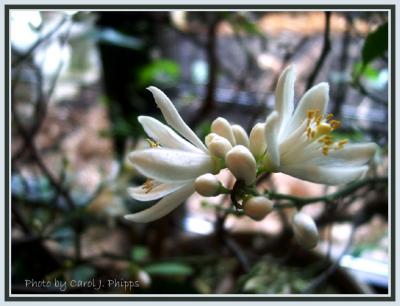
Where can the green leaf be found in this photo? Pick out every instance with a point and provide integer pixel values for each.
(169, 269)
(376, 44)
(140, 253)
(367, 71)
(163, 72)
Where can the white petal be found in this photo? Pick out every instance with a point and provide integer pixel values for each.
(325, 175)
(271, 136)
(357, 154)
(284, 95)
(164, 206)
(222, 127)
(158, 191)
(242, 164)
(294, 140)
(316, 97)
(258, 142)
(173, 118)
(165, 135)
(240, 135)
(166, 165)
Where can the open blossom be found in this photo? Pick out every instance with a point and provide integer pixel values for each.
(171, 164)
(300, 141)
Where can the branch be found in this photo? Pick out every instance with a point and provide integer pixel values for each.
(321, 279)
(324, 52)
(300, 202)
(41, 40)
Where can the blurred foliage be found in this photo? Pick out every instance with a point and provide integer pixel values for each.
(375, 46)
(160, 72)
(172, 269)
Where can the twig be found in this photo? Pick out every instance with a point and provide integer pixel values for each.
(300, 202)
(238, 252)
(41, 40)
(320, 280)
(324, 52)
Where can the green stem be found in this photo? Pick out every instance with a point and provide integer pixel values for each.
(300, 202)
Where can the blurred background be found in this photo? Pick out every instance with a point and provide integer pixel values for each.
(78, 84)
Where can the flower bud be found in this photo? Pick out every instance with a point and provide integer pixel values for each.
(209, 138)
(144, 279)
(222, 127)
(240, 134)
(257, 140)
(305, 230)
(258, 207)
(207, 185)
(217, 145)
(242, 164)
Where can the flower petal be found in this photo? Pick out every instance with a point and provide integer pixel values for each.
(257, 140)
(165, 135)
(164, 206)
(316, 97)
(271, 136)
(166, 165)
(294, 140)
(173, 118)
(241, 137)
(357, 154)
(158, 191)
(284, 95)
(325, 175)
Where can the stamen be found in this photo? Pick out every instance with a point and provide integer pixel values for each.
(152, 143)
(325, 150)
(328, 117)
(148, 185)
(341, 143)
(335, 124)
(323, 128)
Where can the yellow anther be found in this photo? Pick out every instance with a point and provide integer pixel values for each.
(325, 150)
(341, 143)
(148, 185)
(328, 117)
(310, 114)
(152, 143)
(335, 124)
(312, 134)
(323, 129)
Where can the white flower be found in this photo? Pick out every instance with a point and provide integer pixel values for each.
(299, 142)
(172, 163)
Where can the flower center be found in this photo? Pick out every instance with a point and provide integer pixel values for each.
(148, 185)
(152, 143)
(319, 128)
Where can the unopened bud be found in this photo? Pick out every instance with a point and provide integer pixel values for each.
(144, 279)
(257, 140)
(222, 127)
(305, 230)
(240, 135)
(209, 138)
(217, 145)
(207, 185)
(258, 207)
(242, 164)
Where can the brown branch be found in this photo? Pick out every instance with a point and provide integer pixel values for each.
(21, 58)
(324, 52)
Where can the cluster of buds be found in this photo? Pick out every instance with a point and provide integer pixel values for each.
(232, 148)
(243, 156)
